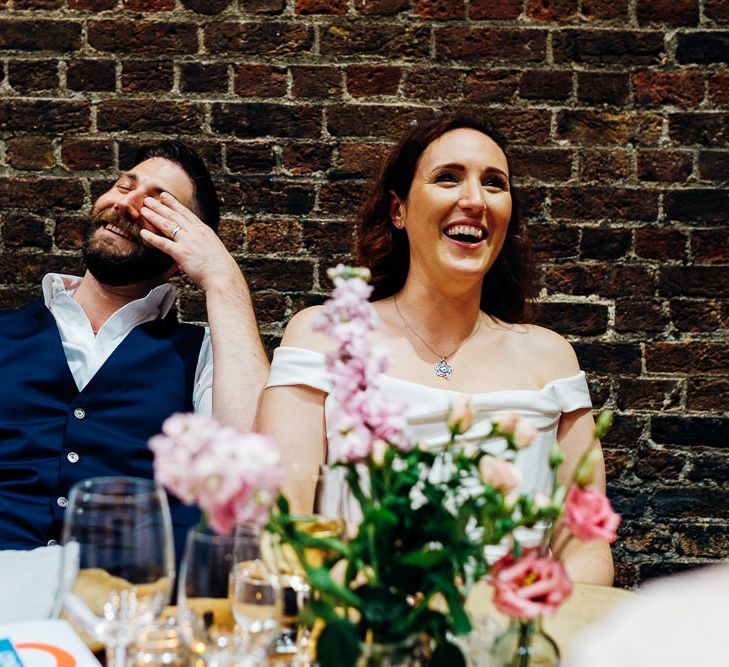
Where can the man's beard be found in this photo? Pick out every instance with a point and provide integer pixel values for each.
(112, 265)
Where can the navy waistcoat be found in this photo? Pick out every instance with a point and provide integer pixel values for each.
(52, 435)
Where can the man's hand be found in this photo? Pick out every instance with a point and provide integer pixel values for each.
(191, 243)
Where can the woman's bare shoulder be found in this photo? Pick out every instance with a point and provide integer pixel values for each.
(300, 332)
(547, 349)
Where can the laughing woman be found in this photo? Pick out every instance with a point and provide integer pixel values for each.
(440, 234)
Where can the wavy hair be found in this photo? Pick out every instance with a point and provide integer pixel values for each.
(507, 291)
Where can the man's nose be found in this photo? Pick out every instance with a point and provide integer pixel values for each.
(130, 204)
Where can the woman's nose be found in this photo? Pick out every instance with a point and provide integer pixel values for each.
(472, 198)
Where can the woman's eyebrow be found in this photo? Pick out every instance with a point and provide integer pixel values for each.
(455, 166)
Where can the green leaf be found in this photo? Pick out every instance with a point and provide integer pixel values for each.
(338, 645)
(447, 655)
(321, 580)
(423, 559)
(380, 515)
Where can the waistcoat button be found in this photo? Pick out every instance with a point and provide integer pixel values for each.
(79, 413)
(62, 502)
(72, 457)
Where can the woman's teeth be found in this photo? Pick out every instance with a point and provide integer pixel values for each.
(471, 233)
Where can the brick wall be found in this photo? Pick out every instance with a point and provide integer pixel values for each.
(617, 110)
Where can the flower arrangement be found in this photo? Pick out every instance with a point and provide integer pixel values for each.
(427, 515)
(232, 477)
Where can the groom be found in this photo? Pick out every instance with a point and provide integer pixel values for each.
(90, 370)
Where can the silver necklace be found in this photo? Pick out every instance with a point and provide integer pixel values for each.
(442, 369)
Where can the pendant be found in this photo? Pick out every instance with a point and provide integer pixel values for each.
(443, 369)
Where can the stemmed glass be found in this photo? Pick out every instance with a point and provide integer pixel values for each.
(228, 603)
(318, 508)
(118, 562)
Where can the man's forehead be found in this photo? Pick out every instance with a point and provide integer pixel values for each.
(163, 175)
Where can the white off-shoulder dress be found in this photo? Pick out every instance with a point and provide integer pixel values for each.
(428, 408)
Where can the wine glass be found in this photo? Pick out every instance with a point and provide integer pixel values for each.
(256, 593)
(204, 603)
(317, 509)
(118, 562)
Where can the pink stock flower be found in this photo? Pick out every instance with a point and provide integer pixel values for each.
(529, 587)
(232, 477)
(500, 474)
(589, 516)
(505, 422)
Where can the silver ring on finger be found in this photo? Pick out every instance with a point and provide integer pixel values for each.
(175, 232)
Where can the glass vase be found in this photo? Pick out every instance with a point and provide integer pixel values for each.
(525, 644)
(410, 652)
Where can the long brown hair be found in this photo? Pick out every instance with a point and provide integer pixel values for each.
(507, 291)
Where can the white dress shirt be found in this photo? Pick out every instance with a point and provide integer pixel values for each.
(86, 352)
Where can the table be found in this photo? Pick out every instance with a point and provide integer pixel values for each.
(587, 603)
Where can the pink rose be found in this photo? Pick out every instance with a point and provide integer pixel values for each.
(504, 422)
(524, 433)
(460, 418)
(500, 474)
(589, 516)
(529, 587)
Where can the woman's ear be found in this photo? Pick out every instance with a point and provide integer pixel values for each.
(397, 211)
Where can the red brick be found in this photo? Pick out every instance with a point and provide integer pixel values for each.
(340, 195)
(149, 115)
(148, 37)
(670, 12)
(352, 38)
(440, 9)
(697, 205)
(255, 120)
(622, 47)
(372, 119)
(368, 80)
(332, 241)
(70, 232)
(707, 129)
(278, 235)
(149, 6)
(40, 35)
(146, 76)
(602, 202)
(381, 7)
(661, 165)
(542, 163)
(499, 10)
(92, 5)
(603, 10)
(717, 11)
(654, 243)
(33, 75)
(692, 359)
(545, 85)
(608, 87)
(320, 7)
(531, 126)
(204, 77)
(644, 394)
(25, 231)
(53, 116)
(640, 316)
(714, 165)
(86, 154)
(250, 158)
(700, 281)
(256, 6)
(31, 4)
(574, 319)
(316, 82)
(507, 44)
(553, 242)
(594, 127)
(702, 47)
(710, 245)
(210, 7)
(674, 88)
(433, 83)
(552, 10)
(695, 316)
(707, 394)
(607, 280)
(306, 158)
(269, 38)
(359, 159)
(260, 81)
(604, 243)
(600, 164)
(30, 152)
(93, 75)
(38, 193)
(491, 84)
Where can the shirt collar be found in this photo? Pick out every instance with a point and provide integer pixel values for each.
(59, 285)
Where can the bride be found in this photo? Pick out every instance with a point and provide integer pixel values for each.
(440, 234)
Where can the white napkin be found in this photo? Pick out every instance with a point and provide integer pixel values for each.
(29, 582)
